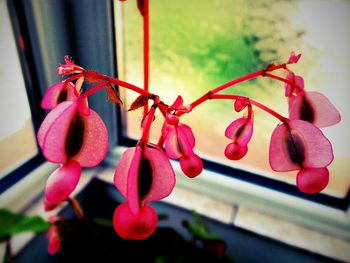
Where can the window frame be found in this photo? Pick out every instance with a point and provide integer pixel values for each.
(40, 58)
(342, 204)
(31, 86)
(39, 74)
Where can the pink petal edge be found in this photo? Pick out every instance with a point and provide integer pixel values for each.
(133, 226)
(312, 180)
(62, 182)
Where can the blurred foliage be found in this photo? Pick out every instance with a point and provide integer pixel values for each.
(199, 229)
(14, 223)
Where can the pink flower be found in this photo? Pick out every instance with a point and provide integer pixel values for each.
(299, 145)
(312, 180)
(312, 107)
(53, 236)
(57, 93)
(240, 104)
(179, 144)
(72, 131)
(69, 68)
(143, 175)
(240, 131)
(296, 85)
(135, 226)
(75, 136)
(293, 58)
(62, 182)
(180, 141)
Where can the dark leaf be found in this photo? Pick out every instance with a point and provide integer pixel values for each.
(113, 95)
(108, 222)
(139, 102)
(141, 6)
(199, 229)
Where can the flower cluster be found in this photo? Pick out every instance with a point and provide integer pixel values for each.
(298, 143)
(74, 136)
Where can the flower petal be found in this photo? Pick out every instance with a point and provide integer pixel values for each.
(177, 103)
(296, 88)
(163, 175)
(53, 132)
(312, 180)
(95, 141)
(171, 143)
(240, 130)
(132, 189)
(133, 226)
(67, 134)
(293, 58)
(315, 108)
(235, 151)
(62, 182)
(191, 165)
(56, 94)
(121, 173)
(240, 104)
(185, 134)
(179, 141)
(299, 145)
(54, 240)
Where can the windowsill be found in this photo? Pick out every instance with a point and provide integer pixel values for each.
(298, 223)
(261, 223)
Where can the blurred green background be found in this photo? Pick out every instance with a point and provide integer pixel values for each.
(198, 45)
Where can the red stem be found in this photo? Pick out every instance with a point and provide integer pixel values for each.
(127, 85)
(94, 89)
(74, 77)
(284, 80)
(253, 102)
(148, 119)
(146, 50)
(76, 207)
(226, 85)
(268, 75)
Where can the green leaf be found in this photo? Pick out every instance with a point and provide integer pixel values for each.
(14, 223)
(199, 229)
(103, 221)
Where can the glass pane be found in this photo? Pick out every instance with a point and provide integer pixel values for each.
(198, 45)
(17, 138)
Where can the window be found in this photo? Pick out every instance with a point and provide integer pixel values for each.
(33, 22)
(198, 45)
(193, 49)
(17, 138)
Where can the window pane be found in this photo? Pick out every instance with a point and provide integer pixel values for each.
(198, 45)
(17, 139)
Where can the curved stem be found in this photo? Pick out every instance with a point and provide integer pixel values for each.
(146, 50)
(94, 89)
(231, 83)
(253, 102)
(268, 75)
(292, 83)
(100, 77)
(129, 86)
(76, 207)
(146, 124)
